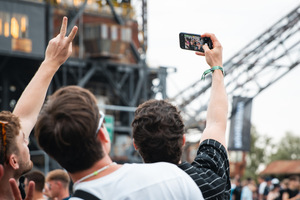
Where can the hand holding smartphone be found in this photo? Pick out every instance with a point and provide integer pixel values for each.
(194, 42)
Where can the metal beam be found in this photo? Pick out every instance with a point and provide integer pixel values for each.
(254, 68)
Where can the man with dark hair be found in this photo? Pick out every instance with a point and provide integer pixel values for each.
(58, 182)
(15, 127)
(71, 130)
(39, 179)
(158, 133)
(292, 192)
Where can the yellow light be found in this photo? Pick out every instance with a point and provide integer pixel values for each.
(23, 24)
(58, 1)
(76, 2)
(6, 29)
(0, 26)
(14, 31)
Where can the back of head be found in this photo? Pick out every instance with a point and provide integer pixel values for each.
(158, 131)
(59, 175)
(9, 129)
(39, 179)
(66, 128)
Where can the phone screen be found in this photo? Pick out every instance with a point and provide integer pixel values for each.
(193, 42)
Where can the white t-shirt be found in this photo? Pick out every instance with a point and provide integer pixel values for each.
(262, 187)
(143, 181)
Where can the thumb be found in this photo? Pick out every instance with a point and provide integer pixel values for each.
(205, 47)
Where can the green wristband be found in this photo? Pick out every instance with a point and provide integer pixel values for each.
(211, 70)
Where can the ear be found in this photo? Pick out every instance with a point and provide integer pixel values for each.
(13, 161)
(135, 147)
(183, 140)
(103, 135)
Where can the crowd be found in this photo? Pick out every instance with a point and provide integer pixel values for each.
(70, 128)
(266, 188)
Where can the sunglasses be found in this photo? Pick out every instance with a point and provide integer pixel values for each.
(3, 134)
(100, 121)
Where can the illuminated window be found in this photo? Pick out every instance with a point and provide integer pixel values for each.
(76, 2)
(0, 26)
(23, 24)
(6, 29)
(14, 28)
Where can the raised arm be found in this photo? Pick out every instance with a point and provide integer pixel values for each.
(32, 98)
(218, 104)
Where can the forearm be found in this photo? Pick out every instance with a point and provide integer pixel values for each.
(32, 98)
(217, 111)
(31, 101)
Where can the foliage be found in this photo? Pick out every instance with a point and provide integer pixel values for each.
(258, 153)
(263, 151)
(288, 148)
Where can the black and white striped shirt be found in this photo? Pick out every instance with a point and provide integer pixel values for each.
(210, 170)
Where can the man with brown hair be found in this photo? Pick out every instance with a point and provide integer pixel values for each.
(15, 127)
(58, 182)
(39, 179)
(70, 129)
(158, 133)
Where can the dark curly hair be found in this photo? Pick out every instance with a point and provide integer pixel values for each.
(158, 131)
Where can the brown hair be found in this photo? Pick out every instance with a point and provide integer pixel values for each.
(11, 127)
(59, 175)
(39, 179)
(66, 128)
(158, 131)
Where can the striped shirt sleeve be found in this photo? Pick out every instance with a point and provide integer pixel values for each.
(210, 170)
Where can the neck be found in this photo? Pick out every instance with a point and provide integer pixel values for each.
(64, 194)
(98, 165)
(5, 191)
(38, 195)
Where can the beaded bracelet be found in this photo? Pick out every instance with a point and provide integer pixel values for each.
(211, 70)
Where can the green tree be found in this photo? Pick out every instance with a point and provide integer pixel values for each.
(259, 153)
(287, 149)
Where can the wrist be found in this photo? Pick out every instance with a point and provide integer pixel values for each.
(50, 65)
(211, 70)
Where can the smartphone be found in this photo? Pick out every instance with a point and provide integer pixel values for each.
(194, 42)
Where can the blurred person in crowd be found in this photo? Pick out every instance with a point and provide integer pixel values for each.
(261, 187)
(247, 193)
(237, 190)
(46, 192)
(292, 192)
(254, 189)
(58, 182)
(16, 127)
(39, 179)
(274, 193)
(158, 133)
(70, 129)
(284, 184)
(268, 187)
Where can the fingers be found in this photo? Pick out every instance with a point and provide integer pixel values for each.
(29, 195)
(213, 38)
(72, 34)
(15, 189)
(63, 28)
(200, 53)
